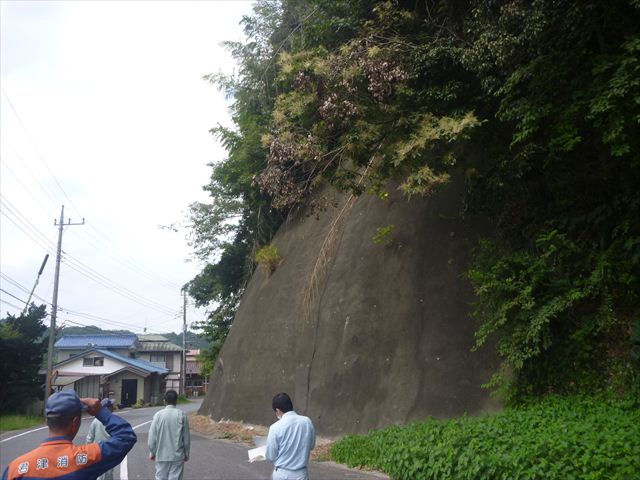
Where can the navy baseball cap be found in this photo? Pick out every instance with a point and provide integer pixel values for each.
(66, 402)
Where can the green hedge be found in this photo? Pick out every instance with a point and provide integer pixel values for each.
(557, 438)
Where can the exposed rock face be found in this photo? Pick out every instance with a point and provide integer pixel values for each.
(381, 336)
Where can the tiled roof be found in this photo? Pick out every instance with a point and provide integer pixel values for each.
(158, 347)
(99, 341)
(135, 362)
(151, 337)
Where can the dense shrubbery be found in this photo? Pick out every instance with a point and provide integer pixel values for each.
(534, 105)
(22, 346)
(559, 438)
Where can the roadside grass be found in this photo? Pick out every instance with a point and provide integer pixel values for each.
(557, 438)
(17, 422)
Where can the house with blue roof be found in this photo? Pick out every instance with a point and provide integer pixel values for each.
(124, 367)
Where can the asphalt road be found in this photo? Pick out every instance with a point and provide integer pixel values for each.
(209, 460)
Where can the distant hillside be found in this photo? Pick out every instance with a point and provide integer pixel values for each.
(90, 330)
(193, 339)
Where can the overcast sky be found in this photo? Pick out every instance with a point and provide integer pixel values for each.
(104, 110)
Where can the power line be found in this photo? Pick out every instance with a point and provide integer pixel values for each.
(88, 316)
(151, 272)
(13, 296)
(24, 225)
(22, 287)
(44, 209)
(30, 172)
(25, 232)
(76, 264)
(114, 287)
(122, 260)
(37, 149)
(23, 219)
(10, 304)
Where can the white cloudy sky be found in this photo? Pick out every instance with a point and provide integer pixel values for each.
(104, 110)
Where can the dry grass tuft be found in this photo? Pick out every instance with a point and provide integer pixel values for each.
(243, 433)
(225, 429)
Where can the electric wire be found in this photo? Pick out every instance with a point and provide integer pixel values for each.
(26, 167)
(79, 266)
(39, 237)
(37, 149)
(46, 249)
(24, 220)
(100, 245)
(87, 316)
(113, 286)
(44, 209)
(151, 272)
(10, 304)
(13, 296)
(23, 288)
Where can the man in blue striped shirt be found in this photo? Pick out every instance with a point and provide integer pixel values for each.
(290, 441)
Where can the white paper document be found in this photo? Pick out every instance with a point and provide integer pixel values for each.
(258, 454)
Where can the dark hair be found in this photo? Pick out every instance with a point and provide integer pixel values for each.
(60, 422)
(282, 402)
(171, 397)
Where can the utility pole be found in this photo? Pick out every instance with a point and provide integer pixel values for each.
(54, 302)
(183, 370)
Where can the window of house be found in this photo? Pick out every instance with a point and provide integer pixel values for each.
(93, 362)
(157, 357)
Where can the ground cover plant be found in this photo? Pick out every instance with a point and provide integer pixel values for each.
(17, 422)
(556, 438)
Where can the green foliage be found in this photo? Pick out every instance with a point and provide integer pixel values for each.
(268, 257)
(18, 422)
(558, 438)
(384, 235)
(534, 105)
(553, 297)
(22, 346)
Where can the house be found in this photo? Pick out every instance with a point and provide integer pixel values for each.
(102, 373)
(195, 383)
(125, 367)
(71, 345)
(159, 351)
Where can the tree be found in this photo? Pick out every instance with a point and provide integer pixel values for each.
(22, 346)
(533, 105)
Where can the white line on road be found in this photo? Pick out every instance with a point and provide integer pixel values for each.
(124, 469)
(23, 433)
(34, 430)
(44, 428)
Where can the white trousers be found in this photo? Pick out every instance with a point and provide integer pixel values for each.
(169, 470)
(282, 474)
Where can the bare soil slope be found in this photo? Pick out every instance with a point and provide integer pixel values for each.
(361, 335)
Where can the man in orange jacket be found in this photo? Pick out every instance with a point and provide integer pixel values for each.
(58, 458)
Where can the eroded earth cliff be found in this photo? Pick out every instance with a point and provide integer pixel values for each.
(362, 335)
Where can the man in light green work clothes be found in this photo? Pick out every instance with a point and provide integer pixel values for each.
(97, 433)
(169, 439)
